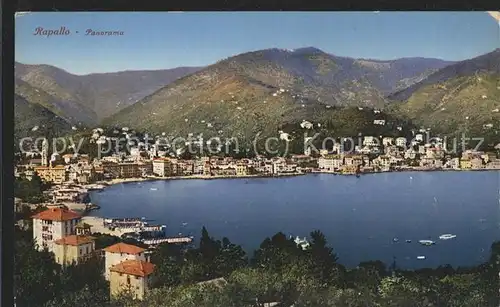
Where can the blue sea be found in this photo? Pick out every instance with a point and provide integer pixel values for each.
(359, 216)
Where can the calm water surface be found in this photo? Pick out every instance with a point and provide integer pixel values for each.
(359, 216)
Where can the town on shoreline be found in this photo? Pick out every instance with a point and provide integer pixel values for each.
(72, 175)
(57, 188)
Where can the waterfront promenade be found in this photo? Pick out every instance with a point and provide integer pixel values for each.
(204, 177)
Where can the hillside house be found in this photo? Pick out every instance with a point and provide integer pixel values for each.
(120, 252)
(73, 249)
(52, 225)
(132, 276)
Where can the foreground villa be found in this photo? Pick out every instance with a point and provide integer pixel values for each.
(52, 225)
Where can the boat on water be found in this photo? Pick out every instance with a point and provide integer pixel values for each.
(447, 236)
(395, 240)
(426, 242)
(302, 243)
(153, 189)
(95, 187)
(408, 241)
(420, 257)
(184, 224)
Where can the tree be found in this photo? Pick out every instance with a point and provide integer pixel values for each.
(367, 276)
(231, 257)
(85, 297)
(462, 290)
(31, 190)
(36, 277)
(396, 291)
(169, 260)
(84, 274)
(274, 253)
(323, 259)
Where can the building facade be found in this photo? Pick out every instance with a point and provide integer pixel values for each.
(120, 252)
(132, 276)
(56, 174)
(52, 225)
(163, 167)
(73, 249)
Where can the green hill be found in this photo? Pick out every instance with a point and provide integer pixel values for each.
(34, 120)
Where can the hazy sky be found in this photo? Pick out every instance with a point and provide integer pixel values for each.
(166, 40)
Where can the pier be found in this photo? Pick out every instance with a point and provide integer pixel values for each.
(175, 240)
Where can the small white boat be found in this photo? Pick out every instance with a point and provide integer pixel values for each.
(302, 243)
(427, 242)
(184, 224)
(421, 257)
(153, 189)
(447, 236)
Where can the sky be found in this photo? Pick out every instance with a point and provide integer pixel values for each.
(161, 40)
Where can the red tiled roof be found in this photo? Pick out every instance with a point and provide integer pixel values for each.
(124, 248)
(134, 267)
(74, 240)
(57, 214)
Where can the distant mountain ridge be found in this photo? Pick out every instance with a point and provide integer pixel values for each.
(271, 89)
(266, 90)
(94, 96)
(461, 98)
(489, 62)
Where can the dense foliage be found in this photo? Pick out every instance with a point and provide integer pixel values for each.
(38, 279)
(278, 271)
(31, 191)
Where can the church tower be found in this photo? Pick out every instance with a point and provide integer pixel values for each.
(45, 152)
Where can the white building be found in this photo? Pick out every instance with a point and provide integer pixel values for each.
(401, 142)
(279, 166)
(453, 163)
(330, 163)
(387, 141)
(53, 224)
(370, 141)
(120, 252)
(164, 167)
(410, 154)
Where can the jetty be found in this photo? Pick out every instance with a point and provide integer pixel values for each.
(174, 240)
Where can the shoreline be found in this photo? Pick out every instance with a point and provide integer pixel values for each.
(108, 183)
(193, 177)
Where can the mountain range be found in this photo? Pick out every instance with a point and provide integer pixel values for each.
(461, 97)
(268, 90)
(265, 90)
(87, 99)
